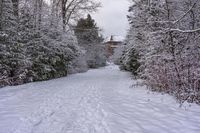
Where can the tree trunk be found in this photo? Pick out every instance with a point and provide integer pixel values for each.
(35, 14)
(40, 14)
(1, 10)
(53, 13)
(63, 14)
(172, 47)
(16, 7)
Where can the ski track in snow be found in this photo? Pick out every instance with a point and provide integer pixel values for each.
(99, 101)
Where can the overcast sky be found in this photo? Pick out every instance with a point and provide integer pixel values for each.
(112, 17)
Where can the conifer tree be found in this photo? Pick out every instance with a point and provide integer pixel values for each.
(88, 35)
(11, 51)
(87, 31)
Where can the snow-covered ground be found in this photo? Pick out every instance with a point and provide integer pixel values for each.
(99, 101)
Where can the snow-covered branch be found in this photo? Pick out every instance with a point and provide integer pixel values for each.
(168, 55)
(179, 19)
(185, 31)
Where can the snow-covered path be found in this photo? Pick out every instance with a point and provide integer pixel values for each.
(99, 101)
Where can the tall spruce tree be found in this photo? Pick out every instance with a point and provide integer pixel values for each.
(87, 31)
(89, 38)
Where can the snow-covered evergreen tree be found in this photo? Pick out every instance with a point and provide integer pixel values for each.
(12, 58)
(50, 50)
(33, 44)
(90, 39)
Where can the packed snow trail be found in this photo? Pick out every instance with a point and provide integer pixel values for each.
(99, 101)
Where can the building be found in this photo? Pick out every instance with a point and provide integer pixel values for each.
(112, 43)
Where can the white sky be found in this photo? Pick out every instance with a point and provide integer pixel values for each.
(112, 17)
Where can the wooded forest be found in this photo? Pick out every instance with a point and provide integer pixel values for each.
(37, 40)
(163, 46)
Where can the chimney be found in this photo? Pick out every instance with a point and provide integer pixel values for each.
(111, 38)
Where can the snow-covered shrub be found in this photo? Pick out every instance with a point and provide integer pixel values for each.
(116, 57)
(130, 61)
(96, 55)
(79, 64)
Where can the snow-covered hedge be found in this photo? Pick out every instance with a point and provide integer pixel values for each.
(96, 55)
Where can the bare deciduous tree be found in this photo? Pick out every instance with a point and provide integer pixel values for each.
(166, 35)
(73, 8)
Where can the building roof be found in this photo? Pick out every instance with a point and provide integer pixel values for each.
(114, 39)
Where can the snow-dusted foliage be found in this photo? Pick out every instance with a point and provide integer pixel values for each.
(12, 56)
(79, 64)
(129, 60)
(96, 55)
(33, 44)
(165, 37)
(117, 55)
(89, 38)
